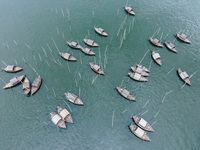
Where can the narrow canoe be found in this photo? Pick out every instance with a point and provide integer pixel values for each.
(140, 71)
(57, 120)
(14, 81)
(68, 57)
(143, 68)
(100, 31)
(139, 132)
(36, 85)
(12, 68)
(129, 10)
(183, 38)
(90, 42)
(156, 42)
(66, 116)
(137, 77)
(88, 51)
(184, 76)
(74, 45)
(73, 99)
(96, 69)
(171, 47)
(142, 123)
(156, 57)
(26, 86)
(126, 94)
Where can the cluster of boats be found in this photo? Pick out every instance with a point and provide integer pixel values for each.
(28, 89)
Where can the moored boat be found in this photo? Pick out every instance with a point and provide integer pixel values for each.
(137, 77)
(156, 42)
(57, 120)
(125, 93)
(12, 68)
(96, 69)
(143, 68)
(140, 71)
(88, 51)
(14, 81)
(184, 76)
(139, 132)
(36, 85)
(183, 38)
(66, 116)
(68, 56)
(100, 31)
(90, 42)
(74, 45)
(142, 123)
(156, 57)
(26, 86)
(73, 98)
(171, 47)
(129, 10)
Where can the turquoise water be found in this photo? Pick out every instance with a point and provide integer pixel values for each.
(102, 123)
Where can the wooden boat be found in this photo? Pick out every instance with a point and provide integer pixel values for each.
(90, 43)
(57, 120)
(139, 132)
(12, 68)
(184, 76)
(96, 69)
(129, 10)
(100, 31)
(14, 81)
(73, 99)
(171, 47)
(126, 94)
(156, 57)
(36, 85)
(68, 57)
(142, 123)
(137, 77)
(143, 68)
(74, 45)
(88, 51)
(66, 116)
(140, 71)
(26, 86)
(156, 42)
(183, 38)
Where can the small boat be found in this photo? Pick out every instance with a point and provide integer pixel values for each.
(137, 77)
(143, 68)
(57, 120)
(90, 43)
(74, 45)
(126, 94)
(96, 69)
(68, 56)
(139, 132)
(156, 57)
(66, 116)
(26, 86)
(156, 42)
(184, 76)
(140, 71)
(129, 10)
(171, 47)
(14, 81)
(36, 85)
(183, 38)
(100, 31)
(73, 98)
(88, 51)
(12, 68)
(142, 123)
